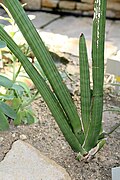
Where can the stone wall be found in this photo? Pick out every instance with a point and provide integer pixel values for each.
(81, 6)
(84, 7)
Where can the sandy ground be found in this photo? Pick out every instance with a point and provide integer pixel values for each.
(46, 136)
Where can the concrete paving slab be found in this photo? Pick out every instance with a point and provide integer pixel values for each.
(39, 19)
(108, 25)
(116, 173)
(71, 26)
(115, 41)
(74, 26)
(2, 11)
(113, 65)
(24, 162)
(114, 31)
(42, 18)
(3, 14)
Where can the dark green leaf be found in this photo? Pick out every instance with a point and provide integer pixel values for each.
(25, 87)
(2, 44)
(29, 117)
(18, 89)
(16, 103)
(5, 82)
(7, 110)
(18, 119)
(4, 125)
(6, 97)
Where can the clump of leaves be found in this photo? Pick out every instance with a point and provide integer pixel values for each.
(15, 97)
(15, 103)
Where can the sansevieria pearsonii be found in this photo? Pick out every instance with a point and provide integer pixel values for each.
(81, 133)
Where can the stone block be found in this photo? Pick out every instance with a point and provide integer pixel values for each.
(114, 6)
(111, 14)
(84, 6)
(70, 5)
(49, 3)
(25, 162)
(88, 1)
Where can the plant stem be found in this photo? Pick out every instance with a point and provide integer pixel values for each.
(112, 110)
(30, 100)
(17, 73)
(113, 129)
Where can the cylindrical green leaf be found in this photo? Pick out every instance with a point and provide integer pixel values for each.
(84, 84)
(98, 73)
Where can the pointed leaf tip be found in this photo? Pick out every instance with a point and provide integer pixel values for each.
(81, 35)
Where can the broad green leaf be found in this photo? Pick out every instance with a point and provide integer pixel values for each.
(18, 119)
(5, 82)
(25, 87)
(7, 110)
(19, 89)
(6, 96)
(29, 117)
(2, 44)
(4, 125)
(16, 103)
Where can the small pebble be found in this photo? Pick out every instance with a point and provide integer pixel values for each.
(1, 139)
(13, 135)
(23, 137)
